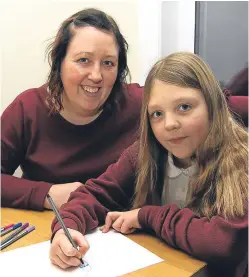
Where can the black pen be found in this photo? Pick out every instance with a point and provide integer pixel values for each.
(62, 223)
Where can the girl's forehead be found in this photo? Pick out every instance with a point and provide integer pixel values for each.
(169, 92)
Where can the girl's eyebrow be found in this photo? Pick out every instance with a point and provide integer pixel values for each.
(184, 99)
(153, 107)
(180, 99)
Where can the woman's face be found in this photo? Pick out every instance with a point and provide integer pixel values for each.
(178, 118)
(89, 70)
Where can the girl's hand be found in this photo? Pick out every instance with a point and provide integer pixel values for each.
(123, 222)
(63, 254)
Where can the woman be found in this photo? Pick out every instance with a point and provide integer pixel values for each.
(77, 124)
(186, 180)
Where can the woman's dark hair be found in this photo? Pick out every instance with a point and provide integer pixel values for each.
(57, 50)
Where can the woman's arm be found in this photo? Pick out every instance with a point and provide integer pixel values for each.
(17, 192)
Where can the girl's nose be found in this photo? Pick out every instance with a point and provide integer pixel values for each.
(171, 122)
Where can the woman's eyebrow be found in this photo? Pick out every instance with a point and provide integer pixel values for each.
(91, 54)
(83, 53)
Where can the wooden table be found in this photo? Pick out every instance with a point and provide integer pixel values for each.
(175, 264)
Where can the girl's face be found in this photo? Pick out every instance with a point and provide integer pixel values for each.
(89, 70)
(178, 118)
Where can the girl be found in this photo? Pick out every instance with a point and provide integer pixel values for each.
(185, 179)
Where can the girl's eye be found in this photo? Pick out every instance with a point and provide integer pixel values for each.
(108, 63)
(83, 60)
(184, 107)
(156, 114)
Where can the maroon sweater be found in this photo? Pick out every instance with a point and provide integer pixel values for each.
(220, 242)
(51, 150)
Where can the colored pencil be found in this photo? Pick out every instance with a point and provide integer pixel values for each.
(6, 227)
(4, 232)
(18, 230)
(17, 237)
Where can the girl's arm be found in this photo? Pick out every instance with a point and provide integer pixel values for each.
(88, 205)
(209, 240)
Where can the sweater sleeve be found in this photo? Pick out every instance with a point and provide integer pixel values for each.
(211, 240)
(17, 192)
(88, 205)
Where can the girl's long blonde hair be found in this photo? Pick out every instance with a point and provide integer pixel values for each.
(222, 184)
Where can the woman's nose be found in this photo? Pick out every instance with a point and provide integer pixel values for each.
(95, 74)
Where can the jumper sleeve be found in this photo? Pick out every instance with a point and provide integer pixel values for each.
(88, 205)
(211, 240)
(17, 192)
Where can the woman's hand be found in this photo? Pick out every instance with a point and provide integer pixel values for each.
(123, 222)
(60, 194)
(63, 254)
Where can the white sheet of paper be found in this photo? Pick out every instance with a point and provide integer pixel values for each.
(110, 255)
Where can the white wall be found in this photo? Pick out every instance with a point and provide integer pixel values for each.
(164, 27)
(178, 26)
(149, 35)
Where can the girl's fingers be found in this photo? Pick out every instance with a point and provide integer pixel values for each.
(68, 260)
(57, 261)
(66, 247)
(110, 218)
(63, 254)
(102, 228)
(126, 230)
(82, 250)
(82, 243)
(118, 223)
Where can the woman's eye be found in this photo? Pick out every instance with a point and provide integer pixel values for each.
(83, 60)
(184, 107)
(108, 63)
(156, 114)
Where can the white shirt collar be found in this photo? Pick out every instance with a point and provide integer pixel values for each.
(173, 171)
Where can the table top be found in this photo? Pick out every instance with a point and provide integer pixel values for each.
(176, 263)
